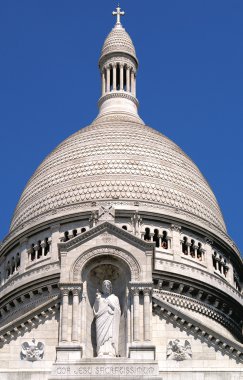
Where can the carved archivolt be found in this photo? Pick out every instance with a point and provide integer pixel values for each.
(112, 252)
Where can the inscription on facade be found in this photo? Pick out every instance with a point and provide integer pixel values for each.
(106, 370)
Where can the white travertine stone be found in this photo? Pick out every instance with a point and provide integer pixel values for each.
(75, 315)
(107, 313)
(64, 326)
(92, 198)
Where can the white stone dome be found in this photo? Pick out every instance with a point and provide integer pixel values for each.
(117, 160)
(118, 41)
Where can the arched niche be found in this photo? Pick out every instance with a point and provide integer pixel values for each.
(94, 272)
(124, 256)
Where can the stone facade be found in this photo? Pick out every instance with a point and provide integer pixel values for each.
(119, 201)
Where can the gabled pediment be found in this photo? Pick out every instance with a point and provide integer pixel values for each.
(107, 231)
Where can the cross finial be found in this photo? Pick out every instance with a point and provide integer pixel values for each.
(118, 13)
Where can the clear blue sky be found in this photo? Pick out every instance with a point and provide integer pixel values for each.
(190, 84)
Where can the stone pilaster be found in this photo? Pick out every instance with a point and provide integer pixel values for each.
(75, 314)
(176, 241)
(147, 314)
(55, 234)
(64, 315)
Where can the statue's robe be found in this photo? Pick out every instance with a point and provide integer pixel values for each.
(107, 312)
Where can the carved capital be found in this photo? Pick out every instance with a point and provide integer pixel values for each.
(147, 291)
(65, 291)
(76, 291)
(135, 291)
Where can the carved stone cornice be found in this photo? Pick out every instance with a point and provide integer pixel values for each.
(41, 271)
(29, 320)
(21, 302)
(221, 316)
(197, 329)
(145, 287)
(118, 94)
(73, 287)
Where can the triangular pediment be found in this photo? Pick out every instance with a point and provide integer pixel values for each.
(107, 230)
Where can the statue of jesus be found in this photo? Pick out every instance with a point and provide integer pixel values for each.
(107, 313)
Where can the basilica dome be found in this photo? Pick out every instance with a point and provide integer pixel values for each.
(121, 161)
(118, 261)
(118, 159)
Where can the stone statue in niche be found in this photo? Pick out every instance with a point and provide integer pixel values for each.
(31, 351)
(107, 313)
(178, 350)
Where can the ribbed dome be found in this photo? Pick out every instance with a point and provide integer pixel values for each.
(118, 41)
(118, 160)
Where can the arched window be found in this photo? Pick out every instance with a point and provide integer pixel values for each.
(32, 255)
(124, 78)
(111, 78)
(147, 235)
(47, 247)
(215, 260)
(156, 237)
(124, 228)
(75, 232)
(8, 270)
(83, 230)
(66, 236)
(164, 241)
(39, 251)
(17, 261)
(13, 265)
(199, 251)
(185, 246)
(192, 248)
(118, 79)
(220, 264)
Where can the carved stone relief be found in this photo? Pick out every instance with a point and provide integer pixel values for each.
(32, 351)
(178, 349)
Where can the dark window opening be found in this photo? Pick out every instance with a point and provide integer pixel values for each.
(185, 246)
(66, 236)
(156, 237)
(147, 236)
(164, 241)
(118, 79)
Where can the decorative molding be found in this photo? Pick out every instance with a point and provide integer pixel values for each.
(113, 252)
(118, 94)
(29, 321)
(195, 328)
(200, 307)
